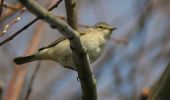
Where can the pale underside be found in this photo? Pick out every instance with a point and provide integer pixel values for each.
(63, 54)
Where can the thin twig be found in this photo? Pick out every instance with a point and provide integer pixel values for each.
(80, 56)
(17, 82)
(15, 87)
(71, 13)
(12, 7)
(1, 7)
(12, 23)
(32, 80)
(28, 25)
(8, 12)
(1, 89)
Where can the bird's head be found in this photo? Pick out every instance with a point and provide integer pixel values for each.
(105, 28)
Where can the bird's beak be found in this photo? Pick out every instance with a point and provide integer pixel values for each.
(112, 29)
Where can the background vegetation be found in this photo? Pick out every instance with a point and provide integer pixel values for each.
(134, 59)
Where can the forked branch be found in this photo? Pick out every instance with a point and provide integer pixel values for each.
(80, 56)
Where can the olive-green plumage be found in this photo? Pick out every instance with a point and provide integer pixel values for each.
(93, 39)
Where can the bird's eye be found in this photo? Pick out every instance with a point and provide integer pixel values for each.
(100, 27)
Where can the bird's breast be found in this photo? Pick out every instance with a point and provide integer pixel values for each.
(94, 45)
(62, 53)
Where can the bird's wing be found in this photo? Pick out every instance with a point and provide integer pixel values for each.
(84, 31)
(53, 43)
(58, 41)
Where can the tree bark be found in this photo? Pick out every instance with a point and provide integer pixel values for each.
(161, 90)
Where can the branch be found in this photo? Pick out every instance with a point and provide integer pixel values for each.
(12, 23)
(71, 13)
(17, 88)
(28, 25)
(30, 84)
(12, 7)
(1, 7)
(1, 89)
(80, 56)
(9, 12)
(28, 80)
(161, 89)
(72, 21)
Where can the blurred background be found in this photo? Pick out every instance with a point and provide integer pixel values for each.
(134, 59)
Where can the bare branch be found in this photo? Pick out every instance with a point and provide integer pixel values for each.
(1, 7)
(32, 80)
(161, 89)
(71, 13)
(15, 87)
(12, 23)
(9, 12)
(12, 7)
(28, 25)
(1, 89)
(80, 56)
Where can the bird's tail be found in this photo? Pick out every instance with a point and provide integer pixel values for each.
(26, 59)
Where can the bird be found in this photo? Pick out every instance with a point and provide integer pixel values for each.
(93, 39)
